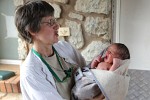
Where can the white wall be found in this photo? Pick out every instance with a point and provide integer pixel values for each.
(135, 31)
(8, 33)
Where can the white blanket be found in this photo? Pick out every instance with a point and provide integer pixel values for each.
(113, 84)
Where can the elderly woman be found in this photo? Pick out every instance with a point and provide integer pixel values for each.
(46, 73)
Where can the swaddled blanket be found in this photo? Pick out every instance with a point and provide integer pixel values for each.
(85, 86)
(112, 84)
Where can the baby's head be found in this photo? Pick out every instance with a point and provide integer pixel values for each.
(116, 50)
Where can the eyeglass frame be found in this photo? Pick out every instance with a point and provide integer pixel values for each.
(51, 22)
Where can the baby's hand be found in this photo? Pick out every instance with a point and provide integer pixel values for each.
(96, 61)
(116, 64)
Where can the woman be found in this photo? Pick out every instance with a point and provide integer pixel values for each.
(46, 73)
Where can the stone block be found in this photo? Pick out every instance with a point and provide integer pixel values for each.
(96, 25)
(62, 1)
(93, 50)
(97, 6)
(57, 10)
(18, 2)
(76, 16)
(76, 38)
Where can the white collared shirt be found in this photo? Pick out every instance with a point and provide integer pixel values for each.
(37, 82)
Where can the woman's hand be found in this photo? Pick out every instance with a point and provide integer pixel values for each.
(96, 61)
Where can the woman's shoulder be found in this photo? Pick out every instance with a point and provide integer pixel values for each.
(67, 51)
(30, 62)
(62, 44)
(64, 48)
(31, 66)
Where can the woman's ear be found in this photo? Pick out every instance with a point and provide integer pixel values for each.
(29, 31)
(32, 33)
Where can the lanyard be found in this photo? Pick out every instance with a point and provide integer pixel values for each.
(67, 72)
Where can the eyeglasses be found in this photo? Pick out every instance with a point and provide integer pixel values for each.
(51, 22)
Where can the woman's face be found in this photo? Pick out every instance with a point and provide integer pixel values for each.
(110, 54)
(48, 33)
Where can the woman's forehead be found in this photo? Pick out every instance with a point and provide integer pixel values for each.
(47, 18)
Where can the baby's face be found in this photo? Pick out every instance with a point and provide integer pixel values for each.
(110, 54)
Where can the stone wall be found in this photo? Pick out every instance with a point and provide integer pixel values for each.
(89, 22)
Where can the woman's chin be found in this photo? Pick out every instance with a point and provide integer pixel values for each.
(56, 40)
